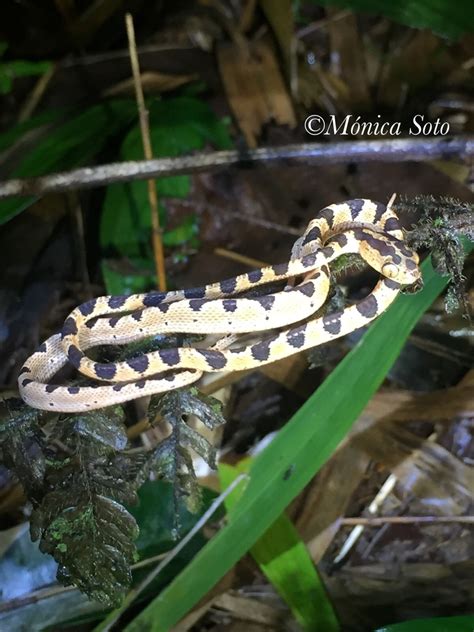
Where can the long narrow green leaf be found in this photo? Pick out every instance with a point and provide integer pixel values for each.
(283, 557)
(69, 144)
(294, 457)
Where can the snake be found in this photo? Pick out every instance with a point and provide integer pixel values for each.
(358, 226)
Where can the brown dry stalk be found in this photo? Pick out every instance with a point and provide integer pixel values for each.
(147, 149)
(383, 520)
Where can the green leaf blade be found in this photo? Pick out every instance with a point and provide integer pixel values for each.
(69, 144)
(284, 559)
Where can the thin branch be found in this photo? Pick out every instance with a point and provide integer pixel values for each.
(79, 235)
(383, 520)
(243, 217)
(236, 256)
(306, 153)
(373, 508)
(157, 242)
(40, 87)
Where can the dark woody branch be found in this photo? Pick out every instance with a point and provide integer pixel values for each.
(306, 153)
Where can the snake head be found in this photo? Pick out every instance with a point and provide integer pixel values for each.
(389, 256)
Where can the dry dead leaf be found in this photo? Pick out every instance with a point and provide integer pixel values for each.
(347, 53)
(247, 609)
(255, 88)
(152, 83)
(442, 484)
(93, 17)
(326, 498)
(280, 16)
(247, 15)
(287, 372)
(323, 89)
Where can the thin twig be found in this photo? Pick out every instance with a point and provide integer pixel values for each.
(69, 63)
(147, 149)
(78, 220)
(114, 616)
(243, 217)
(400, 150)
(374, 506)
(383, 520)
(235, 256)
(35, 96)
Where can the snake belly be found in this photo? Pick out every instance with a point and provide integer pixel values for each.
(357, 226)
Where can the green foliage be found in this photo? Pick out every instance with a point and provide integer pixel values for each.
(10, 70)
(91, 539)
(22, 444)
(443, 226)
(157, 514)
(80, 520)
(67, 145)
(172, 457)
(81, 472)
(17, 132)
(177, 126)
(284, 559)
(281, 471)
(444, 17)
(186, 232)
(24, 567)
(133, 281)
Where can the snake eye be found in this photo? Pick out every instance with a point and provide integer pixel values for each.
(390, 270)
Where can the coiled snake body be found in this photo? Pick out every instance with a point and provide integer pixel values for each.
(357, 226)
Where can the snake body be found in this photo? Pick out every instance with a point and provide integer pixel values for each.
(357, 226)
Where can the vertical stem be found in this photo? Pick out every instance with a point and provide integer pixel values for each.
(145, 132)
(78, 223)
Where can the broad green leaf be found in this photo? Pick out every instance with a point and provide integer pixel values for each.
(283, 557)
(77, 140)
(186, 232)
(68, 145)
(300, 449)
(441, 624)
(117, 282)
(444, 17)
(177, 126)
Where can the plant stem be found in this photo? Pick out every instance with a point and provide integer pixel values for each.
(147, 150)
